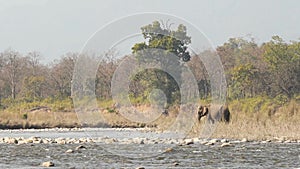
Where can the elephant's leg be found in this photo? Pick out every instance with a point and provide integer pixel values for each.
(226, 115)
(210, 119)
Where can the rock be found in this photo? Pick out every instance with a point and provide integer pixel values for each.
(108, 141)
(244, 140)
(28, 141)
(39, 141)
(176, 164)
(224, 140)
(203, 142)
(47, 164)
(69, 151)
(21, 142)
(80, 147)
(188, 141)
(140, 168)
(281, 139)
(225, 145)
(214, 141)
(10, 140)
(61, 141)
(210, 144)
(236, 141)
(168, 150)
(45, 141)
(142, 142)
(71, 141)
(287, 141)
(196, 140)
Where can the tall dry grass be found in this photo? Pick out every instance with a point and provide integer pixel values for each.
(255, 119)
(263, 123)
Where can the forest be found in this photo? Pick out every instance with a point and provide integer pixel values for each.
(270, 70)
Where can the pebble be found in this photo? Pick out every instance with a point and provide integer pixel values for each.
(176, 164)
(140, 168)
(224, 141)
(188, 141)
(244, 140)
(203, 142)
(168, 150)
(214, 141)
(47, 164)
(210, 144)
(69, 151)
(80, 147)
(225, 145)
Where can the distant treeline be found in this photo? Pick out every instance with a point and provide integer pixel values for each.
(270, 69)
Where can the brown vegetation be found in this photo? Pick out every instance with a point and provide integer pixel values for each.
(259, 125)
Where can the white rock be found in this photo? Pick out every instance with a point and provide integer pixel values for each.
(225, 145)
(244, 140)
(210, 144)
(80, 147)
(47, 164)
(214, 141)
(69, 151)
(188, 141)
(224, 140)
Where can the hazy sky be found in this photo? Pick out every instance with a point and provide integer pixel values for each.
(59, 26)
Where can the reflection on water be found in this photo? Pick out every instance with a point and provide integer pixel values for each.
(97, 155)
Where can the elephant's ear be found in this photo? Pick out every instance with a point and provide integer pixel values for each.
(205, 110)
(200, 108)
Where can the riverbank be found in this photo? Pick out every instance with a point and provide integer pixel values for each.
(256, 119)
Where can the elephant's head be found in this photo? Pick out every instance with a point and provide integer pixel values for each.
(202, 111)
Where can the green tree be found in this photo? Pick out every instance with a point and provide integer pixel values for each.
(242, 81)
(162, 45)
(33, 87)
(283, 62)
(174, 41)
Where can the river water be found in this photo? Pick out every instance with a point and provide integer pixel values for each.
(117, 155)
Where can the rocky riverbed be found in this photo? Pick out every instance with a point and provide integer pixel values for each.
(134, 148)
(137, 140)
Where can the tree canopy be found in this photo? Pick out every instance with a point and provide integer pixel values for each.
(161, 44)
(174, 41)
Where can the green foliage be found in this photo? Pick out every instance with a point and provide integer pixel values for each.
(259, 77)
(242, 80)
(161, 45)
(64, 105)
(23, 105)
(262, 105)
(283, 62)
(150, 79)
(281, 99)
(168, 40)
(32, 87)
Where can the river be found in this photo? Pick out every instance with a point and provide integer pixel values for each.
(131, 155)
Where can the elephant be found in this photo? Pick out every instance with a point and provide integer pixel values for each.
(165, 112)
(214, 113)
(225, 114)
(202, 111)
